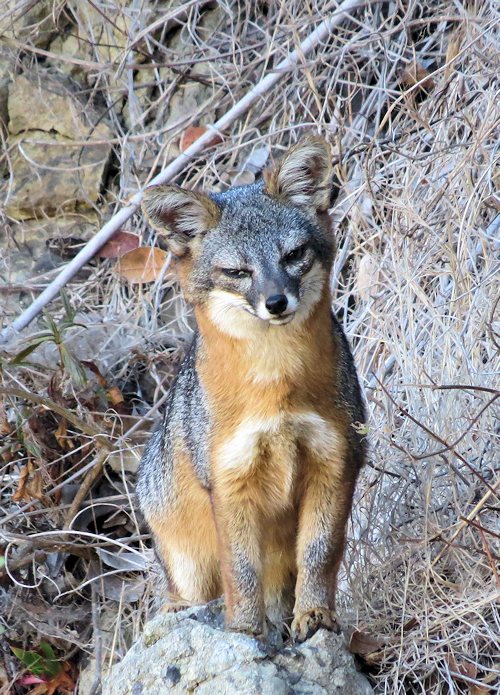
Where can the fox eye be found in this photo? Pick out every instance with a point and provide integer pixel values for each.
(296, 255)
(236, 272)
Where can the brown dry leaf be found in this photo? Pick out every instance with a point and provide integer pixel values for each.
(193, 133)
(115, 396)
(35, 486)
(5, 428)
(63, 683)
(467, 669)
(101, 380)
(190, 135)
(464, 668)
(417, 73)
(30, 484)
(492, 201)
(478, 689)
(367, 646)
(20, 493)
(62, 437)
(142, 265)
(119, 244)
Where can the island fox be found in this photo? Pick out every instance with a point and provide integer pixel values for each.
(248, 483)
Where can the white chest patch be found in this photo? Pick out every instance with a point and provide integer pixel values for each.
(280, 434)
(242, 449)
(317, 434)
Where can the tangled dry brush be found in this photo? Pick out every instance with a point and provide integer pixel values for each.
(407, 94)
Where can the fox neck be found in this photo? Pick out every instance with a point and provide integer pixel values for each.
(284, 360)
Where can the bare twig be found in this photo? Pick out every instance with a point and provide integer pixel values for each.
(206, 140)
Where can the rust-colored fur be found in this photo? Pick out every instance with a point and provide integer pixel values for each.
(263, 520)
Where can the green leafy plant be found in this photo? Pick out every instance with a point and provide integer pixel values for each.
(44, 664)
(55, 333)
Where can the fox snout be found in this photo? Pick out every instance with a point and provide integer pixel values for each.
(276, 304)
(277, 308)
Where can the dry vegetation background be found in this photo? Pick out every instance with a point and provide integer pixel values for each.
(407, 94)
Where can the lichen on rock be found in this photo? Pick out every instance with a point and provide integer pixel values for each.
(190, 652)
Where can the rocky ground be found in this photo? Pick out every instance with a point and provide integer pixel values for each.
(189, 652)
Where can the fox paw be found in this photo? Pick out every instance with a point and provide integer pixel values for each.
(306, 624)
(252, 630)
(174, 607)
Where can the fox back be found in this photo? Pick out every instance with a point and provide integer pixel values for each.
(248, 483)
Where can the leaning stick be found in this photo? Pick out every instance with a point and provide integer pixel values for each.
(114, 224)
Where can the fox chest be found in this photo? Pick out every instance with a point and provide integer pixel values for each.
(266, 456)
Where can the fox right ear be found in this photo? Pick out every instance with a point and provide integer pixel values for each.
(179, 215)
(303, 176)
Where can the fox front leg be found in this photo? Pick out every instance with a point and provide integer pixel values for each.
(324, 509)
(239, 540)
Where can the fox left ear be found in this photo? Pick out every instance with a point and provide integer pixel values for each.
(179, 215)
(303, 176)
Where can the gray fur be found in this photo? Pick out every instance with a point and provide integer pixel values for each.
(185, 425)
(254, 232)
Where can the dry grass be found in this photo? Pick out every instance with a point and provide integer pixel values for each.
(415, 285)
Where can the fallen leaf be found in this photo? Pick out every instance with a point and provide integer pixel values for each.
(5, 427)
(416, 73)
(493, 201)
(44, 665)
(61, 435)
(115, 396)
(30, 679)
(20, 493)
(126, 561)
(119, 244)
(30, 484)
(142, 265)
(192, 134)
(63, 682)
(467, 669)
(101, 380)
(365, 645)
(125, 459)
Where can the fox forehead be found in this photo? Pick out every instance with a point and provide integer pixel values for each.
(253, 225)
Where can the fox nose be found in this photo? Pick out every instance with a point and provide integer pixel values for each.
(276, 304)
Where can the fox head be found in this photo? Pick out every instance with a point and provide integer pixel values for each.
(254, 256)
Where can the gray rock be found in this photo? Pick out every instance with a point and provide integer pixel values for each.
(35, 22)
(58, 153)
(189, 652)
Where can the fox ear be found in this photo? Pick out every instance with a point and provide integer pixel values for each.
(179, 215)
(303, 176)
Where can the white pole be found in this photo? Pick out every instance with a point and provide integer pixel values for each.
(112, 226)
